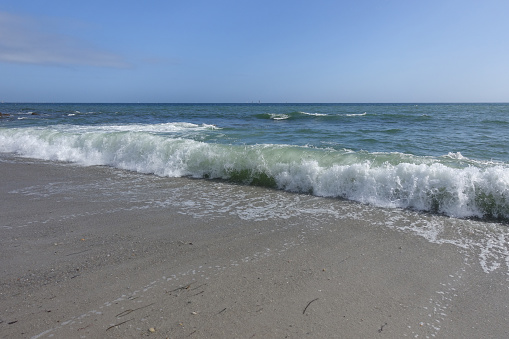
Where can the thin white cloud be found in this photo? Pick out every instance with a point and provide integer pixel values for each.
(24, 41)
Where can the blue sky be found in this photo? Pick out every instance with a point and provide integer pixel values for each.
(243, 51)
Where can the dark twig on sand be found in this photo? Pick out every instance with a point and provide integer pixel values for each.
(78, 252)
(197, 287)
(123, 322)
(181, 288)
(126, 312)
(309, 303)
(82, 328)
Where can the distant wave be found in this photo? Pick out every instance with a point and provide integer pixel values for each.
(497, 122)
(304, 115)
(173, 127)
(450, 185)
(315, 114)
(279, 116)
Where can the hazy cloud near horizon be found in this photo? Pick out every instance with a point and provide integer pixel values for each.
(24, 40)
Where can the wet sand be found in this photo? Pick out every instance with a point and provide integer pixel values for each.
(103, 253)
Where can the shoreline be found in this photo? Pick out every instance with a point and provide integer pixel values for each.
(98, 252)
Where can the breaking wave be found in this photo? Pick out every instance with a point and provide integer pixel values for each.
(452, 184)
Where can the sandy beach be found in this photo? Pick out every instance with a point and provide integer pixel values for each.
(96, 252)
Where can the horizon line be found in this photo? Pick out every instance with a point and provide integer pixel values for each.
(254, 103)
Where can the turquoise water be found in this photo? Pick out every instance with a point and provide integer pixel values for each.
(444, 158)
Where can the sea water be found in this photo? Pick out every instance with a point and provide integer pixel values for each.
(448, 159)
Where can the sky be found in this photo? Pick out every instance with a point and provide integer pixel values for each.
(236, 51)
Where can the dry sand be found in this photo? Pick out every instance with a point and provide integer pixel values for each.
(103, 253)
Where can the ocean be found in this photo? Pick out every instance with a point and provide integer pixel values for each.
(447, 159)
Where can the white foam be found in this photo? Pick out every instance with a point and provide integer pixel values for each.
(279, 116)
(150, 128)
(315, 114)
